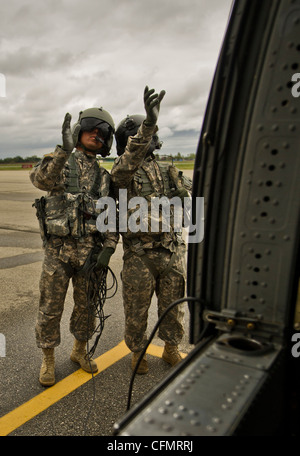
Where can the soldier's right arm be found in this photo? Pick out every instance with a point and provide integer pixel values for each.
(46, 174)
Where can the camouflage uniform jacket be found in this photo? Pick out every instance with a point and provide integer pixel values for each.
(123, 174)
(51, 175)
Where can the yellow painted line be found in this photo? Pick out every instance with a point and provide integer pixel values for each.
(42, 401)
(53, 394)
(156, 350)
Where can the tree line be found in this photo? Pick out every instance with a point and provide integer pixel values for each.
(18, 159)
(35, 158)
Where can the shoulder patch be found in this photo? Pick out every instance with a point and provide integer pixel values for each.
(51, 155)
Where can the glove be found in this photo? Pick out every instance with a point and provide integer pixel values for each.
(182, 193)
(104, 257)
(152, 105)
(67, 136)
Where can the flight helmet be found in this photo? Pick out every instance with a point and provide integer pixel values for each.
(129, 127)
(96, 118)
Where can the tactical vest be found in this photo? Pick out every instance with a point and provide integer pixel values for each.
(133, 243)
(72, 182)
(72, 212)
(144, 186)
(157, 222)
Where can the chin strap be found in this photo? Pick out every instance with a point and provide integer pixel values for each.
(103, 151)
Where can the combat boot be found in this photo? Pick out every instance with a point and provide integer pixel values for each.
(143, 366)
(47, 373)
(79, 355)
(171, 354)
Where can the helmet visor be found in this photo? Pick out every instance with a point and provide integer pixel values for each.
(90, 123)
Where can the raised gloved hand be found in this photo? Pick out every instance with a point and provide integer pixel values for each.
(182, 193)
(104, 257)
(152, 105)
(67, 135)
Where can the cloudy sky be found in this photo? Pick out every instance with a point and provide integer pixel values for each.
(61, 56)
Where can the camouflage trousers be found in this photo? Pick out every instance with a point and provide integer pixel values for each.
(54, 284)
(139, 286)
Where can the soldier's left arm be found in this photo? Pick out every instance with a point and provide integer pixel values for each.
(136, 149)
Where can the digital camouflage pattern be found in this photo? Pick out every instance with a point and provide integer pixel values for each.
(124, 175)
(54, 284)
(65, 252)
(143, 249)
(51, 173)
(139, 286)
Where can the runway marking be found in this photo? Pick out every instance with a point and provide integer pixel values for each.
(20, 260)
(42, 401)
(53, 394)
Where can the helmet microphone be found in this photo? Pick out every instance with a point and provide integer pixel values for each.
(100, 140)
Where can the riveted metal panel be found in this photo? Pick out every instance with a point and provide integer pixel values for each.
(218, 406)
(248, 170)
(266, 223)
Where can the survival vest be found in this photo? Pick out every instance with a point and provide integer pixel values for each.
(144, 186)
(72, 212)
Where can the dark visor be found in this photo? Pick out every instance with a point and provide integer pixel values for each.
(90, 123)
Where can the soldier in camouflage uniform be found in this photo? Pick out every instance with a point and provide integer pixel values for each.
(153, 261)
(74, 182)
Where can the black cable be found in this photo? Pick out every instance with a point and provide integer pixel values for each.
(167, 310)
(96, 298)
(97, 294)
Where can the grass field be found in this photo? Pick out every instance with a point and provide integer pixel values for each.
(179, 165)
(12, 167)
(107, 165)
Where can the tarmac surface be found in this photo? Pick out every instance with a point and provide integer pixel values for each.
(78, 404)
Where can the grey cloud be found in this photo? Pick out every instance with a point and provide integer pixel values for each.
(66, 55)
(27, 61)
